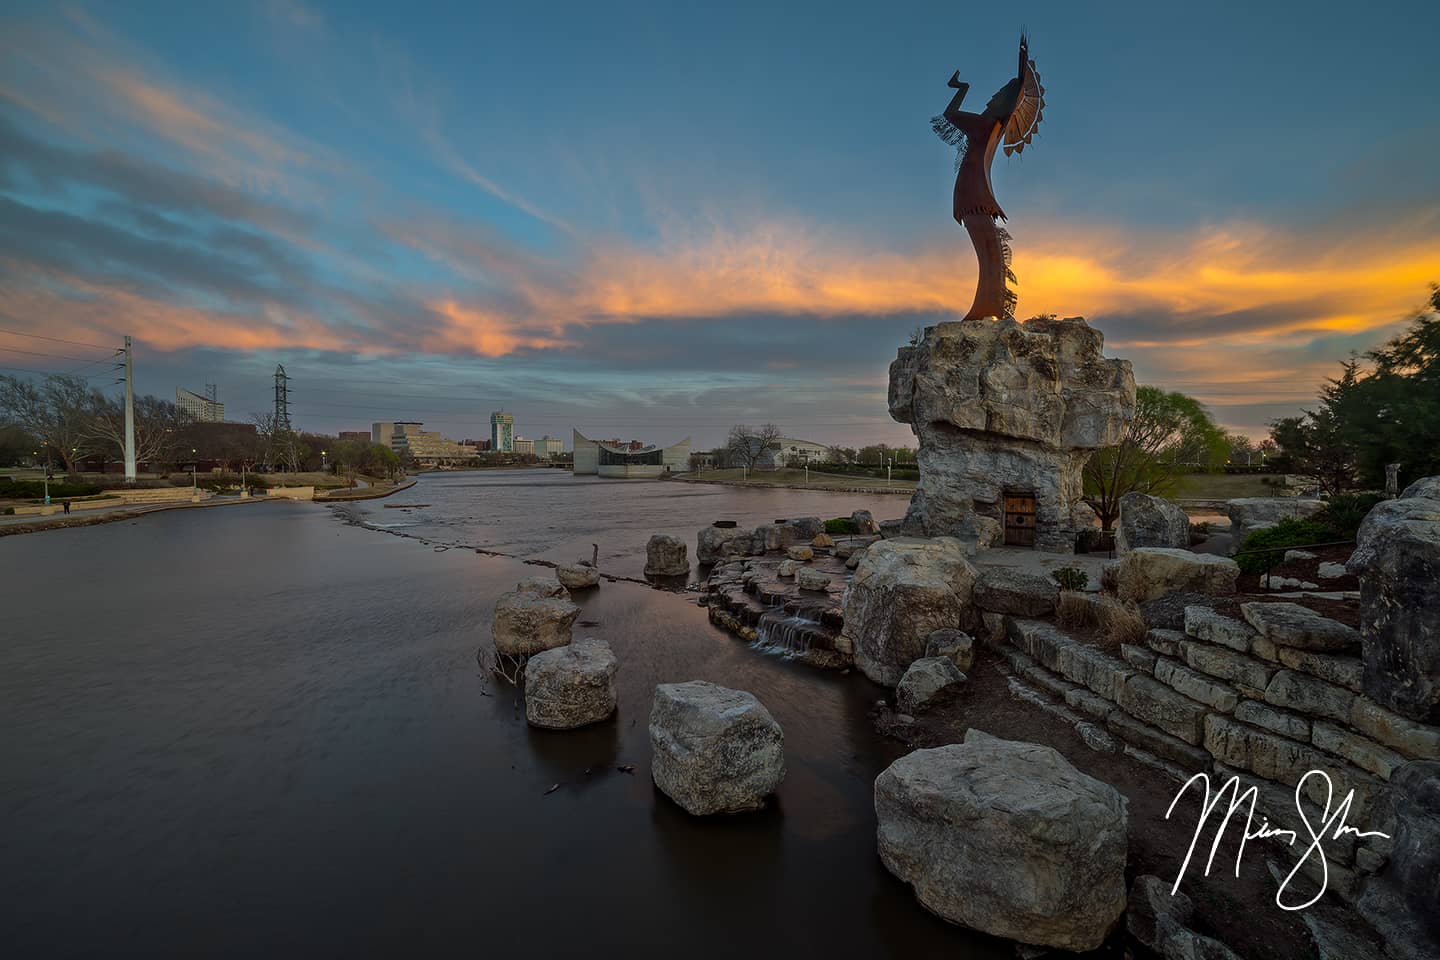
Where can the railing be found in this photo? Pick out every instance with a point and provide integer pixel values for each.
(1276, 555)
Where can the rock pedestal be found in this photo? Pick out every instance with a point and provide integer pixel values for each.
(714, 750)
(1007, 838)
(1002, 408)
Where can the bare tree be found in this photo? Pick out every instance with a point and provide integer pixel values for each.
(749, 445)
(281, 447)
(57, 412)
(158, 424)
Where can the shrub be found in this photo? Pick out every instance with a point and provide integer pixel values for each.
(1074, 610)
(1343, 512)
(1288, 532)
(1120, 622)
(1070, 578)
(841, 525)
(34, 489)
(9, 511)
(1199, 532)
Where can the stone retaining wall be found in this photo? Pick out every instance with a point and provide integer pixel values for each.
(1221, 697)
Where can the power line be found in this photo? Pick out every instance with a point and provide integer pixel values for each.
(57, 356)
(54, 373)
(37, 336)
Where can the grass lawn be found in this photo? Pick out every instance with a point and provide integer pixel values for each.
(1223, 486)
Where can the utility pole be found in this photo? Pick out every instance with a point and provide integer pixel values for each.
(129, 415)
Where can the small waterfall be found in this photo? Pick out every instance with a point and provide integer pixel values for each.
(787, 633)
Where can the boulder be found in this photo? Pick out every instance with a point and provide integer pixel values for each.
(928, 682)
(807, 578)
(853, 561)
(1150, 900)
(570, 686)
(822, 540)
(1248, 514)
(958, 645)
(800, 553)
(1397, 558)
(542, 587)
(527, 623)
(786, 568)
(1291, 625)
(1147, 521)
(1147, 573)
(1003, 408)
(712, 543)
(714, 750)
(1403, 901)
(1007, 838)
(666, 556)
(864, 522)
(577, 576)
(903, 591)
(1007, 590)
(804, 529)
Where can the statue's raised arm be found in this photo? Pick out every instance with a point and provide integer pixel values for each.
(1009, 120)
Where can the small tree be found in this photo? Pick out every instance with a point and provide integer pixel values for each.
(58, 413)
(1169, 434)
(158, 427)
(748, 445)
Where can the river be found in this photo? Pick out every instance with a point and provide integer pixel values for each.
(260, 729)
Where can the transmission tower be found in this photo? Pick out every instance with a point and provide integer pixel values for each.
(282, 400)
(282, 436)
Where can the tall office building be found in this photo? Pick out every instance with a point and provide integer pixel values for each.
(202, 407)
(502, 432)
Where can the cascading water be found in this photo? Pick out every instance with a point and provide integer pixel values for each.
(792, 630)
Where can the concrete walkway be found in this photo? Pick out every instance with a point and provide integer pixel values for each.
(1043, 564)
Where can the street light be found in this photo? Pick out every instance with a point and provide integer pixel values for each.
(194, 483)
(322, 461)
(46, 445)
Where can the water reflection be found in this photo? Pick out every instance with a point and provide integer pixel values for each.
(256, 730)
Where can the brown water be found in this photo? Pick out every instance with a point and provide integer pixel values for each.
(259, 730)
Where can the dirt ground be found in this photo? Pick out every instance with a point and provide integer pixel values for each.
(1239, 911)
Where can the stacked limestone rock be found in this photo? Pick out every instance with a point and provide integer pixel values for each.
(666, 556)
(536, 616)
(1001, 407)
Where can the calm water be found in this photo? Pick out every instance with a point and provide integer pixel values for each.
(260, 730)
(552, 515)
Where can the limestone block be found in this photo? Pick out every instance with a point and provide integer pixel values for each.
(1196, 685)
(1203, 623)
(1418, 741)
(1364, 753)
(1277, 721)
(1348, 672)
(713, 749)
(1227, 664)
(1147, 521)
(1154, 703)
(1148, 573)
(1308, 695)
(1291, 625)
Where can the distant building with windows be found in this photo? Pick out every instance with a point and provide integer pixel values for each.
(355, 436)
(523, 446)
(548, 446)
(791, 452)
(613, 458)
(502, 432)
(202, 408)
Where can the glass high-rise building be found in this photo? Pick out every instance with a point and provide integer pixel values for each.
(502, 432)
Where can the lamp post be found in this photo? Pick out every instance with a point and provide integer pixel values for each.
(46, 445)
(323, 461)
(889, 461)
(194, 481)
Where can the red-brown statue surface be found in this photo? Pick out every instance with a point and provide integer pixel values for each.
(1008, 121)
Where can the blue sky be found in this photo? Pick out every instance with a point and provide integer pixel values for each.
(662, 219)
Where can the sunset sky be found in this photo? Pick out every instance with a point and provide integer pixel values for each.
(661, 219)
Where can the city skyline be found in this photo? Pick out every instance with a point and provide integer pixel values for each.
(657, 222)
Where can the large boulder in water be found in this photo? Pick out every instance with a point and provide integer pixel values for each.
(713, 544)
(1147, 521)
(713, 749)
(536, 616)
(903, 591)
(577, 576)
(1007, 838)
(570, 686)
(666, 556)
(1397, 558)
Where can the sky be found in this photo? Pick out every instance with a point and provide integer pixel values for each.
(655, 220)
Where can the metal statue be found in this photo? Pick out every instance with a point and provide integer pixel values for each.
(1009, 121)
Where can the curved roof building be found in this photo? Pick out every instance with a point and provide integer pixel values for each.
(611, 458)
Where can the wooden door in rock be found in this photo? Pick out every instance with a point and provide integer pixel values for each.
(1019, 520)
